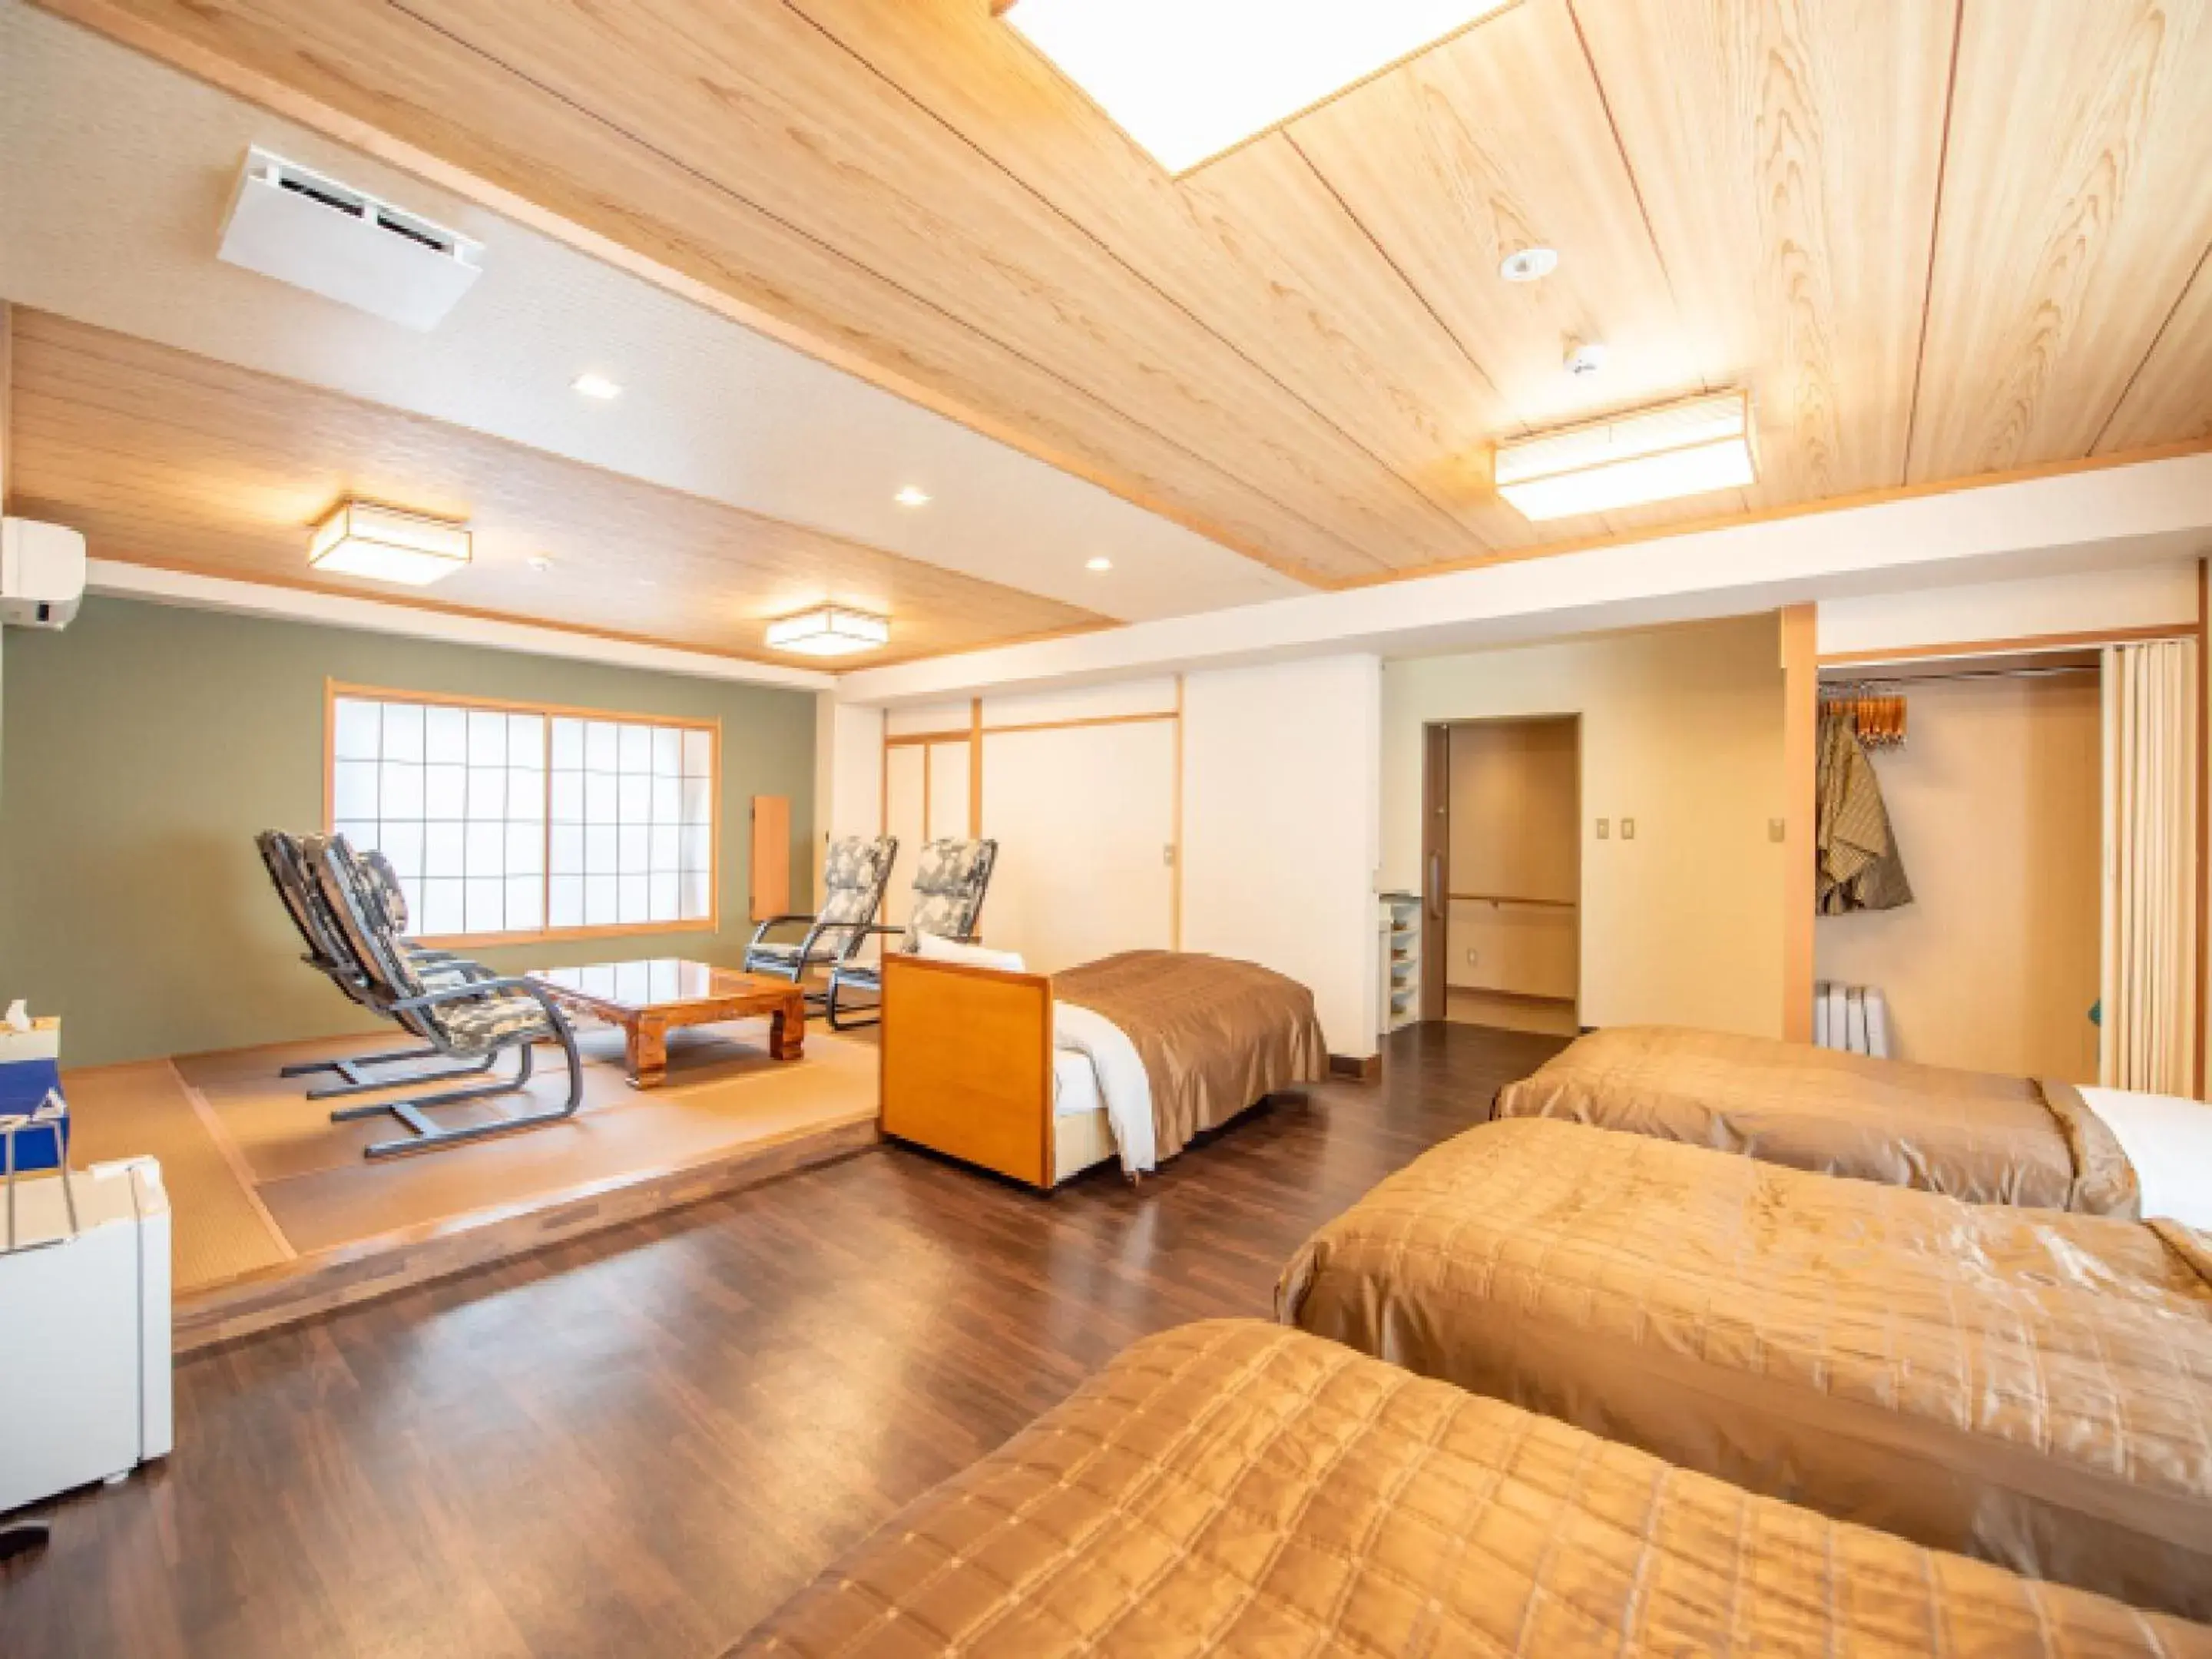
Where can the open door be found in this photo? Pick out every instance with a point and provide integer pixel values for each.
(1435, 866)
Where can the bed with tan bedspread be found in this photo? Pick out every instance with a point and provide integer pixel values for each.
(2026, 1386)
(1214, 1034)
(1232, 1488)
(1975, 1135)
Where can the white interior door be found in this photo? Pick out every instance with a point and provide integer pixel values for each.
(949, 772)
(1083, 816)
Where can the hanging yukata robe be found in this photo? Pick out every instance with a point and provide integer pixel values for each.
(1859, 865)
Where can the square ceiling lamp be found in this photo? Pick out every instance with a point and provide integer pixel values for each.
(1191, 79)
(386, 545)
(1686, 448)
(829, 631)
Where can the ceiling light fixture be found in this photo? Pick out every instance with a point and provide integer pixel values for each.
(387, 546)
(540, 563)
(1529, 265)
(911, 496)
(829, 631)
(1190, 79)
(1099, 563)
(595, 385)
(1686, 448)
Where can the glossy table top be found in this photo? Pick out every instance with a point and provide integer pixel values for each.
(658, 981)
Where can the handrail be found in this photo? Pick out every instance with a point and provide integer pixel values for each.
(1508, 898)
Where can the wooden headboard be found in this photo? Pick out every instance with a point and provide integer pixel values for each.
(967, 1064)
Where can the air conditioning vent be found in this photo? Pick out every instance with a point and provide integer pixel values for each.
(303, 227)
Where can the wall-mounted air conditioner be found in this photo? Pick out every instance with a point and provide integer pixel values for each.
(308, 229)
(41, 573)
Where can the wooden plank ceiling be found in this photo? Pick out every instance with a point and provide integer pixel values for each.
(167, 458)
(1936, 239)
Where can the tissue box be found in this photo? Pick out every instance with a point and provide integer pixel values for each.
(30, 1070)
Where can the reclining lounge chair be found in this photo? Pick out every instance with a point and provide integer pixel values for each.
(854, 879)
(471, 1019)
(950, 882)
(328, 953)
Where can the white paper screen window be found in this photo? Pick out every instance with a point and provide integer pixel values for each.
(632, 824)
(502, 821)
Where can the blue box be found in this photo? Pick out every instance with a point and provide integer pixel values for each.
(30, 1071)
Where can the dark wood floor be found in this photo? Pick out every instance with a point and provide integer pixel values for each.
(640, 1443)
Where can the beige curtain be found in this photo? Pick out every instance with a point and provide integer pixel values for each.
(2149, 968)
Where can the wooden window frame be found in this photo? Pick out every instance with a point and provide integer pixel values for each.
(333, 690)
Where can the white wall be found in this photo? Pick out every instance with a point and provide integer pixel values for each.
(1681, 731)
(2106, 601)
(1281, 782)
(849, 778)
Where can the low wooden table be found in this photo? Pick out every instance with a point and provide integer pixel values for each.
(649, 998)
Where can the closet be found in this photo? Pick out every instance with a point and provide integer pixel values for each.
(1502, 935)
(1991, 775)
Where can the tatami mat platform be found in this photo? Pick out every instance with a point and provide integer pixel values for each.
(278, 1215)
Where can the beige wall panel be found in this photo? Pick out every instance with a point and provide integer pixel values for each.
(1514, 788)
(1995, 802)
(1522, 950)
(906, 815)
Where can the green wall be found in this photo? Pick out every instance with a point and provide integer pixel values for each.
(146, 745)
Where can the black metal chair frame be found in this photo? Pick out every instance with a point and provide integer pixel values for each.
(795, 968)
(328, 955)
(375, 947)
(846, 972)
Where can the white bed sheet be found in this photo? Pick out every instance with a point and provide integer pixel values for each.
(2169, 1142)
(1074, 1085)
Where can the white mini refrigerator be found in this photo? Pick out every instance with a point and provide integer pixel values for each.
(84, 1328)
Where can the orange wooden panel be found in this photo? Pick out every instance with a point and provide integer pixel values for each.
(967, 1066)
(771, 860)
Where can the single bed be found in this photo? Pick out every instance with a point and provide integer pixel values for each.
(1979, 1136)
(1230, 1488)
(2026, 1386)
(1040, 1078)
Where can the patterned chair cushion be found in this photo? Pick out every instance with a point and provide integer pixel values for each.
(384, 882)
(856, 865)
(477, 1024)
(950, 881)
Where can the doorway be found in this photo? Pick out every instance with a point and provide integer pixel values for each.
(1502, 921)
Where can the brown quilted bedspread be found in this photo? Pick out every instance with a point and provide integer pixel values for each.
(2027, 1386)
(1215, 1034)
(1232, 1488)
(1975, 1135)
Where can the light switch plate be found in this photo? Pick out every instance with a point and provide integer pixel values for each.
(1776, 829)
(1628, 828)
(1604, 827)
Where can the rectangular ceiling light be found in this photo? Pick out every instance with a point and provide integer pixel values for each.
(1685, 448)
(1189, 79)
(387, 546)
(829, 631)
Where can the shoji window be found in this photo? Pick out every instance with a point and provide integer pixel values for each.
(518, 821)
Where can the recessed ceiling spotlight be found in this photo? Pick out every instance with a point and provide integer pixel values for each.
(911, 496)
(1585, 357)
(595, 385)
(540, 563)
(1099, 563)
(1529, 264)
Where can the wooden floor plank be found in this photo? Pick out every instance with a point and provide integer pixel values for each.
(640, 1442)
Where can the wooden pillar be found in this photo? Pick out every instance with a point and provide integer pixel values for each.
(1801, 720)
